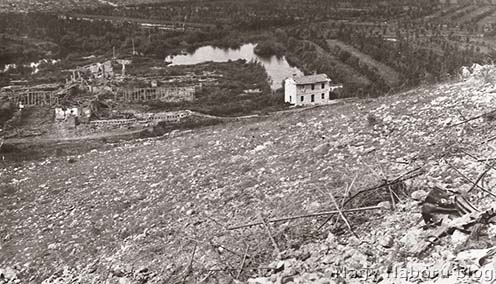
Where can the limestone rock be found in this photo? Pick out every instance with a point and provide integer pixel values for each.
(419, 195)
(322, 149)
(386, 241)
(260, 280)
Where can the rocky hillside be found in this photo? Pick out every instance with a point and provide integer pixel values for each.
(165, 210)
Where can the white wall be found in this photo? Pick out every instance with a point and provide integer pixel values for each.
(289, 91)
(306, 92)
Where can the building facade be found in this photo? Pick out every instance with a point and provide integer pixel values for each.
(309, 90)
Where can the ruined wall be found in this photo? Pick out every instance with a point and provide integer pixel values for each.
(34, 98)
(113, 122)
(143, 118)
(163, 116)
(164, 94)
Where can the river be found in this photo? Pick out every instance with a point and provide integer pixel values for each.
(277, 69)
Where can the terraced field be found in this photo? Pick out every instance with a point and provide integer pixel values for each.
(475, 13)
(445, 13)
(349, 73)
(390, 76)
(488, 20)
(458, 13)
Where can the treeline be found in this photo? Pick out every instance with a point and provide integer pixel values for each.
(82, 37)
(257, 14)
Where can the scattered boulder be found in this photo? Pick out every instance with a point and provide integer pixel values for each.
(419, 195)
(459, 238)
(386, 241)
(260, 280)
(125, 280)
(386, 205)
(71, 160)
(322, 149)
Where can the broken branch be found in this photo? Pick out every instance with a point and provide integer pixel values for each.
(318, 214)
(408, 175)
(242, 263)
(342, 215)
(469, 180)
(478, 179)
(472, 118)
(270, 235)
(190, 265)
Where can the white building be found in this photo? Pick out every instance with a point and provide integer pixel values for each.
(309, 90)
(64, 113)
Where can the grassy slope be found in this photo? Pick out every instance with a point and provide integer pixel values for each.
(147, 203)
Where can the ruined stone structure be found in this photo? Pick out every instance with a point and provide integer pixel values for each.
(163, 116)
(143, 119)
(164, 94)
(113, 122)
(34, 98)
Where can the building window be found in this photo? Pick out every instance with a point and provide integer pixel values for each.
(301, 98)
(323, 85)
(290, 98)
(323, 96)
(312, 98)
(313, 86)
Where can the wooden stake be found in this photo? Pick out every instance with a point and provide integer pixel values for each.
(342, 215)
(190, 265)
(270, 235)
(242, 263)
(347, 192)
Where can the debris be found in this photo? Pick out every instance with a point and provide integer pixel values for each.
(440, 201)
(189, 268)
(474, 183)
(242, 263)
(340, 212)
(267, 229)
(464, 223)
(305, 216)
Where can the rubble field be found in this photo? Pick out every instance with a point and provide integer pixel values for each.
(162, 210)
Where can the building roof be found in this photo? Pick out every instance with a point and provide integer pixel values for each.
(311, 79)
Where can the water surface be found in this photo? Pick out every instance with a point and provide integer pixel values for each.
(278, 69)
